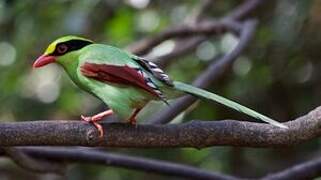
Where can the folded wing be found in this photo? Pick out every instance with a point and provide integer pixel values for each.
(122, 75)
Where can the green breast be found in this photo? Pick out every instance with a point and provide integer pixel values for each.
(121, 98)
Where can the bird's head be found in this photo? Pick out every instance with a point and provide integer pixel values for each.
(60, 48)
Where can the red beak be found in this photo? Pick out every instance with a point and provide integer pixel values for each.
(43, 60)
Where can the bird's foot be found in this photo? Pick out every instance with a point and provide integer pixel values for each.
(93, 120)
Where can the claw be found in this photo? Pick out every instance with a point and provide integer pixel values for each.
(99, 128)
(93, 120)
(86, 118)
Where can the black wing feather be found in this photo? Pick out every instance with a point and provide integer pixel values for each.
(154, 70)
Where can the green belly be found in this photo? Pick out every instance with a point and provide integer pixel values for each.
(123, 100)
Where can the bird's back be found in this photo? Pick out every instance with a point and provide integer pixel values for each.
(105, 54)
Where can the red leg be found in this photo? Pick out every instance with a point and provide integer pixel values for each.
(95, 118)
(132, 119)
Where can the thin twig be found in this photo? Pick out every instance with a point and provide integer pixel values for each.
(194, 18)
(244, 9)
(200, 11)
(183, 47)
(209, 27)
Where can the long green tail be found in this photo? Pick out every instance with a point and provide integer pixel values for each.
(214, 97)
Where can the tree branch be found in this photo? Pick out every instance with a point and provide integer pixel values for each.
(82, 155)
(197, 134)
(184, 46)
(216, 27)
(306, 170)
(201, 28)
(25, 161)
(244, 9)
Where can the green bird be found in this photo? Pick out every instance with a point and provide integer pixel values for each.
(123, 81)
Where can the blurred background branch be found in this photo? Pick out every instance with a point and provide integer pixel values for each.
(306, 170)
(35, 165)
(90, 156)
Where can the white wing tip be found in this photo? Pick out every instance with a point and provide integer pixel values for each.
(282, 126)
(275, 123)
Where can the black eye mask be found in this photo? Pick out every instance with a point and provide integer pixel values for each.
(68, 46)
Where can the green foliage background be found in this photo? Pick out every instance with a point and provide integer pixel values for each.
(278, 75)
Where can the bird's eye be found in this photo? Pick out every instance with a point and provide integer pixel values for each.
(62, 48)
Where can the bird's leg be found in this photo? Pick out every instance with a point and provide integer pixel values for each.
(132, 119)
(95, 118)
